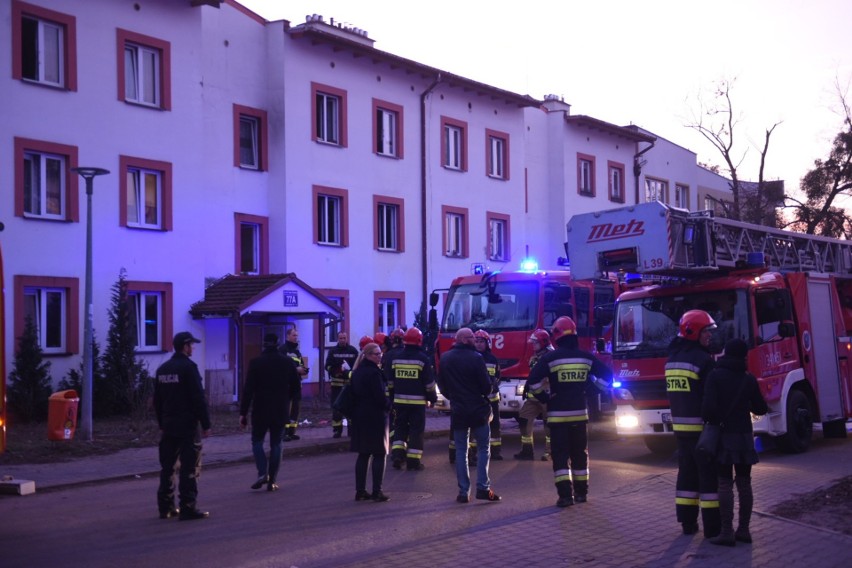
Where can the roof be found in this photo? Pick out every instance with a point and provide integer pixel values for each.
(609, 128)
(233, 295)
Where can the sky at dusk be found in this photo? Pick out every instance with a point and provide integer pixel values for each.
(643, 63)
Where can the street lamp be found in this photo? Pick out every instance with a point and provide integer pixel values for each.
(89, 175)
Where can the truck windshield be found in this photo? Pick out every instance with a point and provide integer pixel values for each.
(646, 326)
(509, 306)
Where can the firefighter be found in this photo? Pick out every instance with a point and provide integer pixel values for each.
(410, 377)
(381, 340)
(291, 349)
(482, 342)
(362, 343)
(338, 364)
(567, 371)
(396, 337)
(687, 368)
(532, 407)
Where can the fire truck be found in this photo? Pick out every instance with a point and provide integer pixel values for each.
(510, 306)
(788, 295)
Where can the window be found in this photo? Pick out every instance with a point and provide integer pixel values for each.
(340, 298)
(149, 306)
(497, 154)
(389, 225)
(387, 129)
(586, 175)
(656, 190)
(44, 49)
(453, 144)
(616, 182)
(498, 236)
(53, 306)
(146, 190)
(252, 246)
(330, 216)
(45, 186)
(144, 70)
(250, 138)
(329, 111)
(681, 196)
(455, 231)
(390, 306)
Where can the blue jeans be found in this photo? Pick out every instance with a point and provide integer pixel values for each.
(481, 434)
(271, 465)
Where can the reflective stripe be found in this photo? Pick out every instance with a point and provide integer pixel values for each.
(684, 366)
(495, 442)
(557, 416)
(414, 454)
(687, 427)
(397, 400)
(685, 501)
(687, 494)
(494, 397)
(526, 439)
(561, 475)
(400, 445)
(709, 504)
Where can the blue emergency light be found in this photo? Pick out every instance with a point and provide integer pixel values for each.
(529, 265)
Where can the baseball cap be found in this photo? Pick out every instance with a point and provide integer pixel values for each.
(182, 339)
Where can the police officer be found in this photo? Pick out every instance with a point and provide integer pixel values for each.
(338, 364)
(291, 350)
(567, 371)
(181, 407)
(532, 407)
(687, 368)
(410, 378)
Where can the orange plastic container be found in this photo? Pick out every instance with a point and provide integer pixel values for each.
(62, 415)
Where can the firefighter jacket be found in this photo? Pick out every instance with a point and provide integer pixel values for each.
(409, 375)
(334, 363)
(493, 367)
(686, 373)
(291, 350)
(567, 372)
(271, 383)
(533, 360)
(179, 397)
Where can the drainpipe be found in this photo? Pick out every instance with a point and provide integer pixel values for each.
(423, 188)
(637, 169)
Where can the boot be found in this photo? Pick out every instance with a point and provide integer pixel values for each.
(746, 499)
(496, 453)
(566, 494)
(526, 453)
(726, 512)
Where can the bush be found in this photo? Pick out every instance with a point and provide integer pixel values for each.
(30, 381)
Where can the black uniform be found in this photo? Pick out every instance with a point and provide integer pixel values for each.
(568, 370)
(291, 350)
(334, 365)
(697, 487)
(410, 379)
(180, 407)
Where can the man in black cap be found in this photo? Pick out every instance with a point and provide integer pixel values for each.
(271, 383)
(181, 407)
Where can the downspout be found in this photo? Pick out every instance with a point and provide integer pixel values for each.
(637, 170)
(423, 213)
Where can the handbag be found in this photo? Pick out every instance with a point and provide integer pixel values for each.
(345, 402)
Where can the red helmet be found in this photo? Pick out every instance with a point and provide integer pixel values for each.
(542, 337)
(397, 336)
(482, 334)
(563, 326)
(413, 337)
(693, 322)
(364, 341)
(381, 338)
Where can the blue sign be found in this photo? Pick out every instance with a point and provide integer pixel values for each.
(291, 299)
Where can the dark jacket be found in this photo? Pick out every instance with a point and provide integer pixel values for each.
(493, 366)
(731, 395)
(337, 355)
(463, 379)
(271, 382)
(179, 400)
(686, 373)
(408, 373)
(369, 428)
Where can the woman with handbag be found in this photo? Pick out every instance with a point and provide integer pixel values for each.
(369, 423)
(730, 397)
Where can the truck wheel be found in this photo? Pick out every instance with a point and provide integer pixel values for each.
(661, 445)
(800, 426)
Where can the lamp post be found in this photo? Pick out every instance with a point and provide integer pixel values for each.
(89, 175)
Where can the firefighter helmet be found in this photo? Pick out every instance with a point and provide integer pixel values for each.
(397, 336)
(381, 339)
(413, 337)
(563, 326)
(542, 337)
(364, 341)
(482, 334)
(693, 322)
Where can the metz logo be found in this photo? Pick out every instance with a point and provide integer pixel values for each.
(612, 231)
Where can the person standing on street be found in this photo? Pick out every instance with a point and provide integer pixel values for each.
(731, 396)
(291, 349)
(369, 423)
(463, 379)
(271, 382)
(687, 369)
(532, 407)
(181, 408)
(338, 364)
(409, 375)
(482, 342)
(566, 372)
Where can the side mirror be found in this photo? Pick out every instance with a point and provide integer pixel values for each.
(433, 299)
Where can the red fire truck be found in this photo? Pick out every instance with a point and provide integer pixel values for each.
(788, 295)
(510, 306)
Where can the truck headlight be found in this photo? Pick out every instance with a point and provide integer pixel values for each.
(627, 421)
(519, 390)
